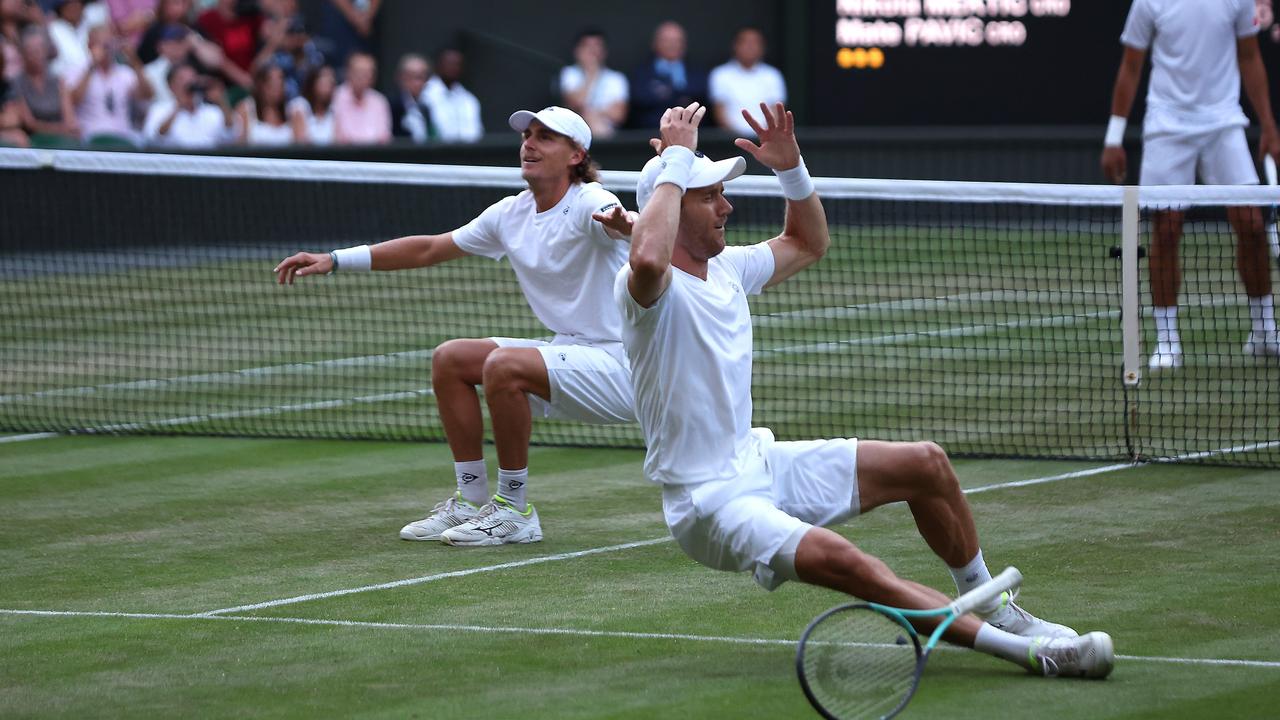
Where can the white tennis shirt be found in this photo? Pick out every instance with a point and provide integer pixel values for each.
(1195, 78)
(564, 260)
(690, 359)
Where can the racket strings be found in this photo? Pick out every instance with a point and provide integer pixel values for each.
(860, 664)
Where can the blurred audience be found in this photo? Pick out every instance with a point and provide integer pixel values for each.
(16, 16)
(198, 116)
(347, 26)
(311, 113)
(175, 48)
(591, 89)
(69, 31)
(293, 52)
(455, 112)
(11, 132)
(234, 26)
(410, 117)
(745, 82)
(260, 118)
(45, 102)
(168, 13)
(103, 92)
(131, 17)
(361, 115)
(665, 81)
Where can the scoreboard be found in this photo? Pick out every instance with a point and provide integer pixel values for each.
(971, 62)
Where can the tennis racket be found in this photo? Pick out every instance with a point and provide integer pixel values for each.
(865, 660)
(1273, 236)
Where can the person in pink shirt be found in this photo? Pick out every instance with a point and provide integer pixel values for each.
(104, 90)
(131, 17)
(361, 115)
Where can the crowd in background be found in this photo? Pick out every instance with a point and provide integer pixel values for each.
(203, 73)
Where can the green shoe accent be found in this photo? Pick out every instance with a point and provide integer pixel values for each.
(499, 500)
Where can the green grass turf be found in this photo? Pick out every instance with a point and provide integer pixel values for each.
(1172, 560)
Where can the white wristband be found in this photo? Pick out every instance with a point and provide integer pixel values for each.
(353, 259)
(677, 166)
(796, 183)
(1115, 131)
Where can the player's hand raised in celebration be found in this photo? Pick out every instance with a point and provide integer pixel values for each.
(301, 264)
(618, 220)
(778, 149)
(679, 126)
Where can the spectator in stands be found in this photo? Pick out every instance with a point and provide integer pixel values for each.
(234, 27)
(169, 12)
(131, 17)
(69, 31)
(16, 16)
(594, 91)
(102, 93)
(311, 113)
(455, 112)
(260, 118)
(347, 27)
(361, 115)
(410, 117)
(665, 81)
(174, 44)
(45, 102)
(744, 82)
(189, 120)
(11, 132)
(291, 50)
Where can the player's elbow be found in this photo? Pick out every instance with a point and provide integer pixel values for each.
(647, 265)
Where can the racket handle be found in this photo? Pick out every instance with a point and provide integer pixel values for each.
(987, 591)
(1269, 168)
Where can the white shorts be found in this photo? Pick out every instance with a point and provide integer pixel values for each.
(786, 489)
(1220, 157)
(588, 382)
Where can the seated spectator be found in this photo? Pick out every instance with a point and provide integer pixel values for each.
(102, 92)
(455, 112)
(591, 89)
(131, 17)
(260, 117)
(361, 115)
(666, 80)
(45, 102)
(188, 121)
(169, 12)
(290, 48)
(175, 48)
(410, 117)
(347, 27)
(11, 133)
(311, 113)
(69, 31)
(16, 16)
(234, 27)
(745, 82)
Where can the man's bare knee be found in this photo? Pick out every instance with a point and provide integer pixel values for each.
(460, 359)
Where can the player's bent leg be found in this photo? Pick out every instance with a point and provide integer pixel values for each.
(1254, 265)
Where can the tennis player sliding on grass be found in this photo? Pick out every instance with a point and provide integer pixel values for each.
(734, 499)
(565, 238)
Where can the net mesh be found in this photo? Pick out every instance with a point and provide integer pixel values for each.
(140, 299)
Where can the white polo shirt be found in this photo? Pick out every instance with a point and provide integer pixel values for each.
(610, 87)
(739, 87)
(565, 261)
(455, 112)
(690, 356)
(1195, 77)
(203, 128)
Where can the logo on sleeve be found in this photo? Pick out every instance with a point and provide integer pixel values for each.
(608, 207)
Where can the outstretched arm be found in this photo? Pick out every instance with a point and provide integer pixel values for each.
(654, 235)
(1114, 161)
(1254, 76)
(412, 251)
(804, 239)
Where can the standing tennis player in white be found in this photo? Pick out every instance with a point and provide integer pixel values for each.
(565, 238)
(733, 498)
(1200, 51)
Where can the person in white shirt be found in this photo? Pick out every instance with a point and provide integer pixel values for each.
(565, 238)
(733, 498)
(744, 82)
(103, 91)
(188, 121)
(69, 30)
(455, 112)
(596, 92)
(310, 114)
(1200, 52)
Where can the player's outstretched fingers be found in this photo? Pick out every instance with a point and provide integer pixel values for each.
(751, 121)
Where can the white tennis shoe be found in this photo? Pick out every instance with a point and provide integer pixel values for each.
(1013, 619)
(498, 523)
(1166, 357)
(1091, 655)
(448, 514)
(1262, 345)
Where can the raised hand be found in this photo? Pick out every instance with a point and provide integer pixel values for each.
(679, 126)
(302, 264)
(778, 149)
(617, 220)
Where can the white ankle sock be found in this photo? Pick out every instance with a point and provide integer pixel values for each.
(971, 576)
(1007, 646)
(512, 485)
(1167, 324)
(1263, 314)
(473, 481)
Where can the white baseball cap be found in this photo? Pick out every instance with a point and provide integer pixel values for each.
(705, 173)
(558, 119)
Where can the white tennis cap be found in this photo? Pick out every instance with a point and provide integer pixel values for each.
(558, 119)
(705, 172)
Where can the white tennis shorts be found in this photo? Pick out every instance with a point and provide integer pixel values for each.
(786, 489)
(1220, 157)
(588, 382)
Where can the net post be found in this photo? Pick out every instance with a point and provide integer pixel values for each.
(1130, 325)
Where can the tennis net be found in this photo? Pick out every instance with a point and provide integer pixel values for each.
(989, 317)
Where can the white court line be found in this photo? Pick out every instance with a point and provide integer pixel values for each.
(430, 578)
(570, 632)
(29, 436)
